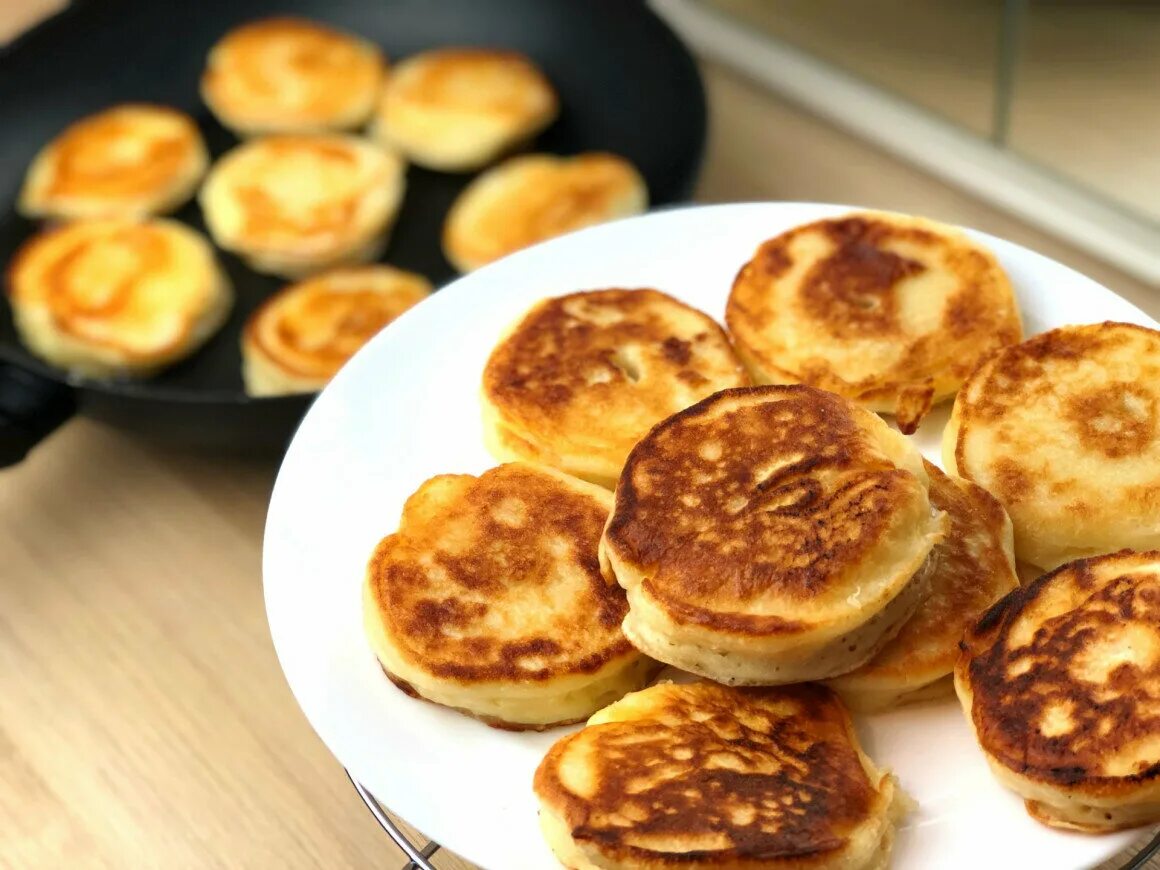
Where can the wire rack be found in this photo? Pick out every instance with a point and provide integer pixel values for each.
(418, 856)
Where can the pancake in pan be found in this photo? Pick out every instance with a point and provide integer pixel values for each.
(291, 75)
(301, 336)
(131, 161)
(294, 205)
(770, 535)
(536, 197)
(1061, 683)
(489, 599)
(888, 310)
(117, 297)
(1064, 429)
(458, 109)
(702, 776)
(970, 569)
(582, 377)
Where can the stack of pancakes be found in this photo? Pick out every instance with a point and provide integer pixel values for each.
(761, 537)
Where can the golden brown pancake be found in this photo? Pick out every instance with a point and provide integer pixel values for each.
(969, 570)
(582, 377)
(888, 310)
(458, 109)
(536, 197)
(117, 297)
(301, 336)
(489, 599)
(291, 75)
(702, 776)
(1061, 683)
(130, 161)
(1064, 429)
(770, 535)
(295, 205)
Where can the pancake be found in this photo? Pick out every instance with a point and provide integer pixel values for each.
(1064, 429)
(702, 776)
(117, 297)
(536, 197)
(301, 336)
(582, 377)
(291, 75)
(1061, 683)
(458, 109)
(969, 570)
(770, 535)
(489, 599)
(130, 161)
(294, 205)
(888, 310)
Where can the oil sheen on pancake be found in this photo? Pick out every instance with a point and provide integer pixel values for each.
(581, 378)
(458, 109)
(770, 535)
(1064, 429)
(1061, 683)
(969, 570)
(888, 310)
(528, 199)
(294, 205)
(131, 161)
(291, 75)
(489, 599)
(117, 297)
(703, 776)
(300, 337)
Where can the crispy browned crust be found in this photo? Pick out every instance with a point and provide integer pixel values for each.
(775, 772)
(433, 599)
(851, 295)
(1016, 376)
(604, 366)
(969, 571)
(717, 531)
(1013, 687)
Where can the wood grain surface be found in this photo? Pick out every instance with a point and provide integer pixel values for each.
(144, 721)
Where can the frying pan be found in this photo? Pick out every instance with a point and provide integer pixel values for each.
(626, 85)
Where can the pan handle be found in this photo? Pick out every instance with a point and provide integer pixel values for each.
(31, 408)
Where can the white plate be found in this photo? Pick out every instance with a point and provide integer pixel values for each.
(406, 408)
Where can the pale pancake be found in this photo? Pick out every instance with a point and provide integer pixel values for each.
(1064, 429)
(489, 599)
(291, 75)
(297, 340)
(702, 776)
(128, 161)
(889, 310)
(295, 205)
(770, 535)
(536, 197)
(117, 297)
(582, 377)
(969, 570)
(458, 109)
(1061, 683)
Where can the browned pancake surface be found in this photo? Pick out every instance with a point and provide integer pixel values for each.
(1065, 675)
(767, 505)
(730, 774)
(496, 578)
(599, 368)
(889, 310)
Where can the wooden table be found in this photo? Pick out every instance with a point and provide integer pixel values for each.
(144, 721)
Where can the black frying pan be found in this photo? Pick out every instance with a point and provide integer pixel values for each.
(626, 85)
